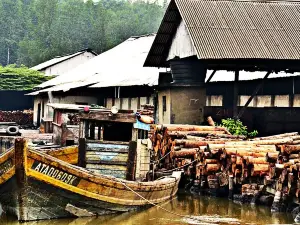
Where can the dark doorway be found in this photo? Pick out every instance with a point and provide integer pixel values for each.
(38, 123)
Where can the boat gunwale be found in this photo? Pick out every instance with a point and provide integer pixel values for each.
(105, 180)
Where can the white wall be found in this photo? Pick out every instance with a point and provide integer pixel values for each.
(128, 103)
(67, 65)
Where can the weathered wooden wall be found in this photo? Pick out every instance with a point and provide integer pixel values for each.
(142, 159)
(107, 159)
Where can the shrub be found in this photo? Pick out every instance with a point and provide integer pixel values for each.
(236, 127)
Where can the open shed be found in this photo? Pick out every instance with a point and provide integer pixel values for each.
(200, 35)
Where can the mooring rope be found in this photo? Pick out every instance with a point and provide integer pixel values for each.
(167, 171)
(156, 205)
(157, 161)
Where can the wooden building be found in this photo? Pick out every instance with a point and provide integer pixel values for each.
(200, 35)
(116, 77)
(62, 64)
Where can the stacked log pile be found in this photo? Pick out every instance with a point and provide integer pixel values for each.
(147, 109)
(20, 117)
(265, 169)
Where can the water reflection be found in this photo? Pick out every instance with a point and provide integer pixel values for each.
(207, 210)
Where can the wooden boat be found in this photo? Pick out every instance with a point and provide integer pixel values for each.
(7, 160)
(45, 187)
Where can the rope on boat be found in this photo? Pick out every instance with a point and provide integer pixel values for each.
(167, 171)
(157, 161)
(156, 205)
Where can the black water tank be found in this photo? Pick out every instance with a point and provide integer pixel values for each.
(188, 71)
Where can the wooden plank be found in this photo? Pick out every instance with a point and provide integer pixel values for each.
(86, 129)
(107, 156)
(119, 117)
(107, 147)
(106, 167)
(105, 162)
(115, 173)
(131, 164)
(92, 130)
(108, 142)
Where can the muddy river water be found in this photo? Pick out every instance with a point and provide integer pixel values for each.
(198, 209)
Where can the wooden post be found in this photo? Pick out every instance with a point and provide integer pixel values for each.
(230, 187)
(86, 129)
(276, 203)
(235, 94)
(82, 152)
(92, 130)
(131, 163)
(20, 168)
(81, 129)
(99, 132)
(63, 138)
(134, 134)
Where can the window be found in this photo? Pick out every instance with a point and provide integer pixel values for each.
(164, 101)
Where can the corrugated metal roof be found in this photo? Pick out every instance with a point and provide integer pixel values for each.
(231, 29)
(119, 66)
(58, 59)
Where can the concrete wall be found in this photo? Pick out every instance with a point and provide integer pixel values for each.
(164, 116)
(183, 105)
(259, 100)
(129, 103)
(67, 65)
(48, 111)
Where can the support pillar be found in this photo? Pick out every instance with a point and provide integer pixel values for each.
(235, 94)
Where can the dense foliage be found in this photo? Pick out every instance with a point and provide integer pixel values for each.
(33, 31)
(236, 127)
(20, 78)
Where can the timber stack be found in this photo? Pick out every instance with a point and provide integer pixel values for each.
(261, 170)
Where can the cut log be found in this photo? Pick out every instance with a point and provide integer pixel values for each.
(185, 153)
(294, 156)
(265, 142)
(183, 127)
(272, 156)
(216, 146)
(290, 149)
(210, 121)
(195, 144)
(258, 168)
(212, 167)
(211, 161)
(258, 160)
(277, 136)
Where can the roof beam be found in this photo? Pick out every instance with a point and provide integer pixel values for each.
(211, 76)
(259, 86)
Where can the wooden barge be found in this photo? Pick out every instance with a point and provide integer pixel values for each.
(45, 187)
